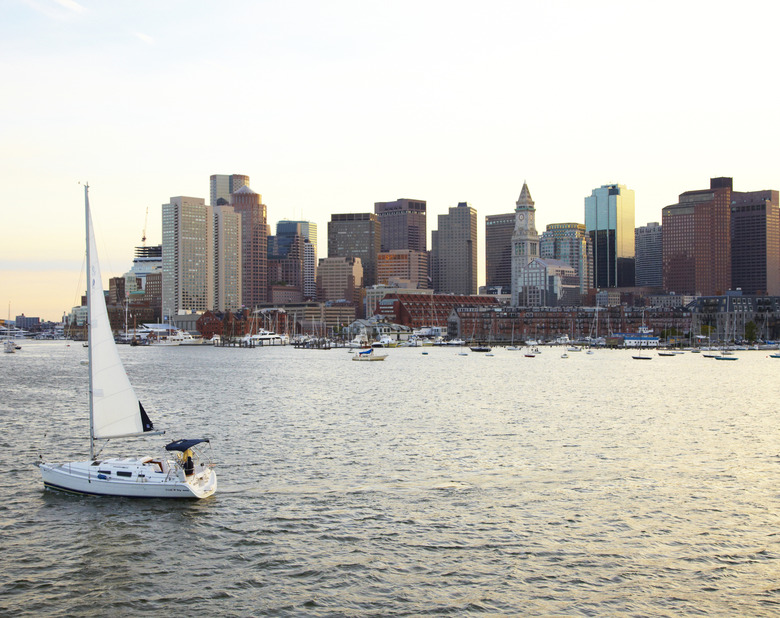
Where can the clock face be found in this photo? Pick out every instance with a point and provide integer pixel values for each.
(522, 217)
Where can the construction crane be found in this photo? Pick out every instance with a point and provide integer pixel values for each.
(146, 218)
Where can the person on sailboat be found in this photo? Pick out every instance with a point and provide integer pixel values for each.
(188, 465)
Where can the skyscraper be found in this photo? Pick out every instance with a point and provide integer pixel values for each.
(254, 234)
(498, 250)
(697, 241)
(285, 263)
(609, 219)
(309, 270)
(454, 251)
(356, 235)
(525, 240)
(187, 256)
(648, 240)
(223, 185)
(227, 259)
(403, 224)
(755, 242)
(570, 244)
(285, 231)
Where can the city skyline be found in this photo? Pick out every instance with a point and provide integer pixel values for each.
(442, 102)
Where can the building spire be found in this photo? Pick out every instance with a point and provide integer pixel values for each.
(525, 198)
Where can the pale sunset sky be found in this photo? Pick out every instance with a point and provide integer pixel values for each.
(332, 106)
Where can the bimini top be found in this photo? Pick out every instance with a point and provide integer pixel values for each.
(183, 445)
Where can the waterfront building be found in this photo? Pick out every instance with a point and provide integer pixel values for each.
(310, 318)
(356, 235)
(403, 224)
(505, 325)
(609, 219)
(423, 310)
(23, 322)
(670, 301)
(755, 242)
(340, 278)
(648, 240)
(454, 251)
(697, 241)
(729, 317)
(374, 328)
(254, 234)
(187, 256)
(222, 186)
(404, 264)
(571, 244)
(375, 294)
(498, 250)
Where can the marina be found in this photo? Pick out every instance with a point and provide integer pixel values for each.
(427, 484)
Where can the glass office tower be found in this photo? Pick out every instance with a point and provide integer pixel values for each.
(609, 219)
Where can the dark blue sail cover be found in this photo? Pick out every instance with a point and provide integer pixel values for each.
(183, 445)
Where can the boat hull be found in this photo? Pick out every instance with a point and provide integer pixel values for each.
(104, 479)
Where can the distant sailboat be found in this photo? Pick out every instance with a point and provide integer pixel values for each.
(115, 412)
(9, 345)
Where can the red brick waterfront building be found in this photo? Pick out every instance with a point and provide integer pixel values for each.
(418, 310)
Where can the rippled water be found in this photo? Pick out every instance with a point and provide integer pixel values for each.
(425, 484)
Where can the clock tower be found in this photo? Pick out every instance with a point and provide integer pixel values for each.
(525, 239)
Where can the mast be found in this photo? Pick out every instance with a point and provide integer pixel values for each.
(89, 325)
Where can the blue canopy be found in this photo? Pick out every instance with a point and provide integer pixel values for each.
(183, 445)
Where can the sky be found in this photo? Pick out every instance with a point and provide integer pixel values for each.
(331, 106)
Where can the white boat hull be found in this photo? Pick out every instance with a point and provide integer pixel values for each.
(131, 478)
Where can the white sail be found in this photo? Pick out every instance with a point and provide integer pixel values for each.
(114, 406)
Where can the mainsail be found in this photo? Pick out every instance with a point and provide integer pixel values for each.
(114, 408)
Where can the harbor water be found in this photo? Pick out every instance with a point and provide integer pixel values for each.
(427, 484)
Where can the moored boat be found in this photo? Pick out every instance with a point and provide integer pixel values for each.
(368, 355)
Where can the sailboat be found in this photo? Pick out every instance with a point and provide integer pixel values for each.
(9, 346)
(115, 412)
(513, 347)
(476, 347)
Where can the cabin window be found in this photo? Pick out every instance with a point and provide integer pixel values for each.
(124, 473)
(104, 471)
